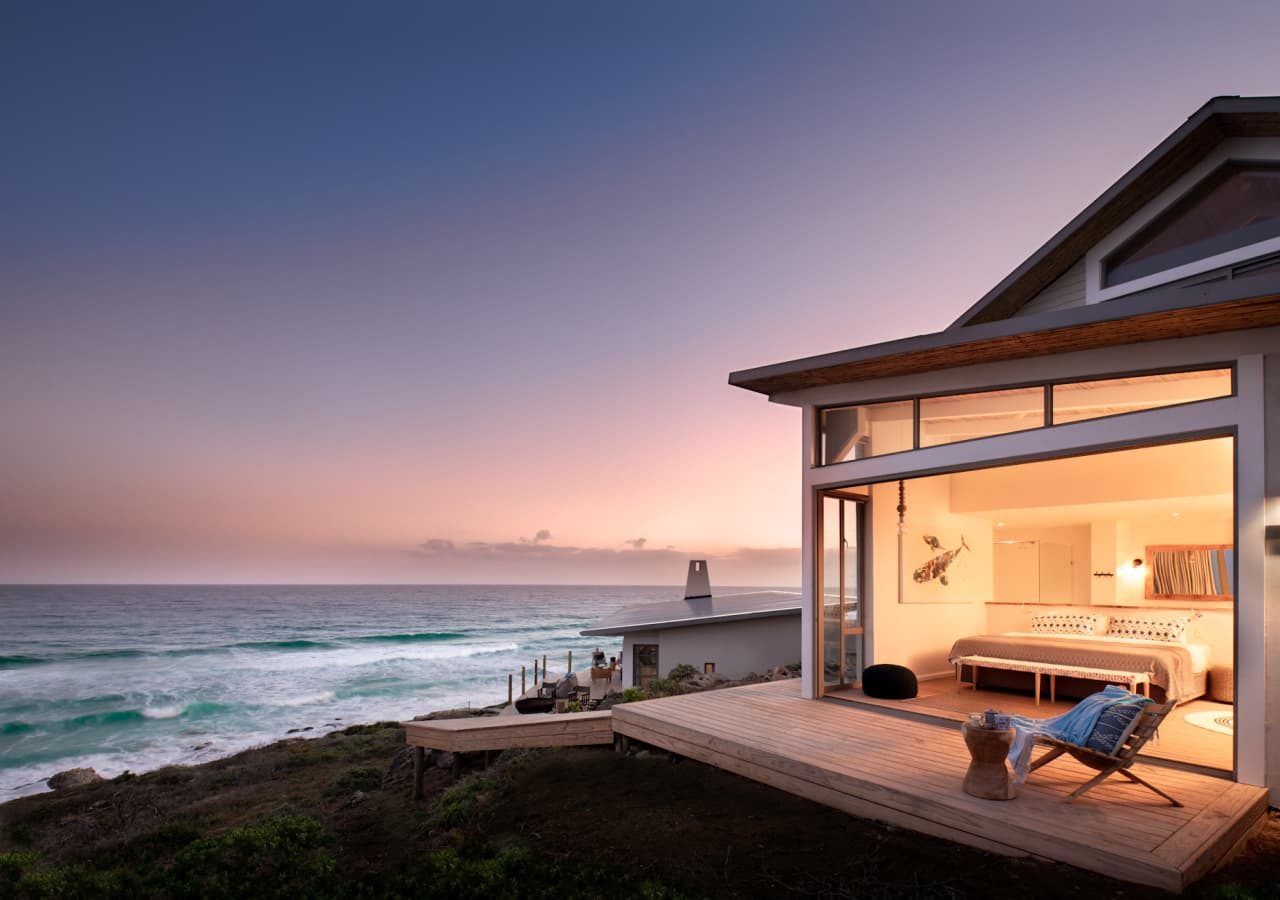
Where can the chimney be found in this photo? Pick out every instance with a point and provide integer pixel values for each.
(698, 584)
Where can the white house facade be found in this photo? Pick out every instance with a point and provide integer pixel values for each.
(1096, 441)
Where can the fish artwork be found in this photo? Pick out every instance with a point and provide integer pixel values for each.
(936, 568)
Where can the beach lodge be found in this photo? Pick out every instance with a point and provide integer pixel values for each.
(1088, 456)
(1076, 483)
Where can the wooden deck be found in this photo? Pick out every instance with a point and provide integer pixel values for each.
(877, 765)
(506, 732)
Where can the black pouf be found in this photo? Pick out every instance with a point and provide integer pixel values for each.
(889, 682)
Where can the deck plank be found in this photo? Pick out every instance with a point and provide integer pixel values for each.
(877, 765)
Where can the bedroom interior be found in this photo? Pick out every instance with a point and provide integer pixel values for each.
(1062, 575)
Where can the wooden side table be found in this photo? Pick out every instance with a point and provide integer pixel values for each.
(988, 775)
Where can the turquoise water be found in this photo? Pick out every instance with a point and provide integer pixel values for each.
(138, 677)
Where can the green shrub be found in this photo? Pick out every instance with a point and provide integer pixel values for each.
(682, 672)
(483, 873)
(282, 857)
(358, 778)
(573, 706)
(664, 687)
(12, 867)
(460, 803)
(632, 694)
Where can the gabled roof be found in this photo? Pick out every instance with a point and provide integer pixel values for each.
(697, 611)
(1217, 120)
(986, 333)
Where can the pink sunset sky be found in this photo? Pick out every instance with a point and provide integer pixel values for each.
(448, 293)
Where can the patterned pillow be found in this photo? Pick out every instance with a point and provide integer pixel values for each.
(1066, 623)
(1113, 727)
(1172, 629)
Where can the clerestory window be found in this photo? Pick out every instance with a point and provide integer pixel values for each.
(1238, 205)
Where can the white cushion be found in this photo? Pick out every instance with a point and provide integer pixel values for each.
(1068, 621)
(1145, 626)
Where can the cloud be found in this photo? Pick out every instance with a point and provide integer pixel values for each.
(539, 561)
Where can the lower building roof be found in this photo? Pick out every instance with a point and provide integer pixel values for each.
(697, 611)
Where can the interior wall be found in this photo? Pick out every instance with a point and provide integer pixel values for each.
(1077, 537)
(920, 635)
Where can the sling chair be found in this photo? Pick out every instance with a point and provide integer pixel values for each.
(1119, 760)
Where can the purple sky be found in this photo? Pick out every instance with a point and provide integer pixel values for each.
(378, 292)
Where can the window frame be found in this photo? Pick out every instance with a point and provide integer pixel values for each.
(1048, 386)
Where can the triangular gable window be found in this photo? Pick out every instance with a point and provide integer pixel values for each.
(1238, 205)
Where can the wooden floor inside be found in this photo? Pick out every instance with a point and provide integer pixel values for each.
(1177, 741)
(872, 763)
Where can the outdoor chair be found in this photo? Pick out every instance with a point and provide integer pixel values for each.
(1131, 739)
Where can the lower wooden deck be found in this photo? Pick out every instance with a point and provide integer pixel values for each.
(876, 765)
(507, 732)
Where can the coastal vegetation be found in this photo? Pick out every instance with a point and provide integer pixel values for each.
(331, 817)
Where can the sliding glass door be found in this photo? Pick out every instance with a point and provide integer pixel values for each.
(838, 588)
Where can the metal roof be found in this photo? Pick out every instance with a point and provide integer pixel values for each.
(697, 611)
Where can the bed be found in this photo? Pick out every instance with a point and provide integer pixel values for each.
(1178, 668)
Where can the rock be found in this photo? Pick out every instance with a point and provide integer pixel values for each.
(643, 754)
(401, 768)
(74, 778)
(356, 799)
(444, 760)
(460, 713)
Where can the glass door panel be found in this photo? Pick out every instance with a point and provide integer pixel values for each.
(839, 589)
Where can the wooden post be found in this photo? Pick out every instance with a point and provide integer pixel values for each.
(569, 666)
(509, 698)
(457, 765)
(419, 769)
(544, 667)
(522, 687)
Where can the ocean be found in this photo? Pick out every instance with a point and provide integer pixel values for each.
(133, 678)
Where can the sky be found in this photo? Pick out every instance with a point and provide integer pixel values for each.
(449, 292)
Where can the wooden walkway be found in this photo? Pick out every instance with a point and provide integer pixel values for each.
(906, 773)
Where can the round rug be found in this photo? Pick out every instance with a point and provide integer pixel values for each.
(1221, 722)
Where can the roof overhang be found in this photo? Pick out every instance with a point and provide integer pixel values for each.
(1156, 315)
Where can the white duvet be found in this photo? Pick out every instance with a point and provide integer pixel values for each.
(1199, 652)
